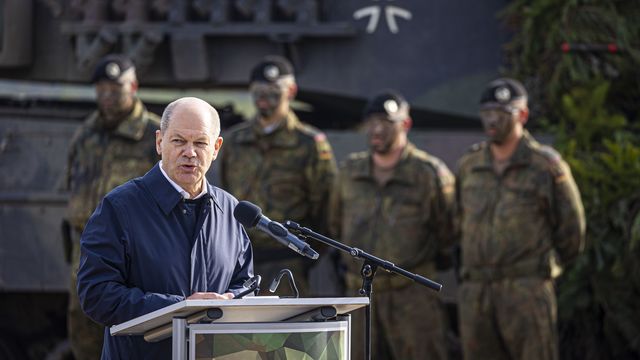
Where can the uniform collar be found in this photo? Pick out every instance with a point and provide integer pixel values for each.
(165, 195)
(133, 125)
(401, 173)
(280, 137)
(521, 156)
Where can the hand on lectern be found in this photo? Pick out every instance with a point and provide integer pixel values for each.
(210, 296)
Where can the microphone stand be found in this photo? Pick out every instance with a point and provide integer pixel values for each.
(368, 272)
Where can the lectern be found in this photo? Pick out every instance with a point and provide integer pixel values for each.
(247, 328)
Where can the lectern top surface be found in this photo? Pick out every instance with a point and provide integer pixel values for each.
(248, 309)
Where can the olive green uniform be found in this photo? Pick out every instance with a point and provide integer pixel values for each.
(407, 222)
(287, 173)
(99, 160)
(514, 227)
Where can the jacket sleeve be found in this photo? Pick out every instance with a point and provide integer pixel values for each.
(334, 212)
(320, 174)
(104, 266)
(442, 206)
(244, 266)
(568, 218)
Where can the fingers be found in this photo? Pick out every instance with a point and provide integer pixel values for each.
(210, 296)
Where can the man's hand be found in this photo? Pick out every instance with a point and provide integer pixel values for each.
(210, 295)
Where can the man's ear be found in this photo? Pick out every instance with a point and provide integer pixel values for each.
(523, 115)
(159, 142)
(292, 91)
(407, 123)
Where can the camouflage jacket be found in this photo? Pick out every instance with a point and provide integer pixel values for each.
(513, 225)
(407, 221)
(99, 159)
(287, 173)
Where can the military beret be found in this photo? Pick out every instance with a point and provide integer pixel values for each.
(388, 103)
(271, 69)
(114, 67)
(501, 92)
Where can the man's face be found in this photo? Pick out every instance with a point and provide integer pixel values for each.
(115, 100)
(382, 133)
(267, 97)
(188, 146)
(498, 123)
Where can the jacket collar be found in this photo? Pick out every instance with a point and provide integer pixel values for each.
(402, 172)
(281, 137)
(521, 156)
(165, 195)
(132, 126)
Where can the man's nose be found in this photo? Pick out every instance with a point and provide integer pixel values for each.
(190, 150)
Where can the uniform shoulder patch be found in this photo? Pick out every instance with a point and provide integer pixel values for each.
(550, 154)
(556, 165)
(323, 146)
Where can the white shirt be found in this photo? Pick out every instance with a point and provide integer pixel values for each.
(179, 189)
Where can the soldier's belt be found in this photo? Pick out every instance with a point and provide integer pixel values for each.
(385, 281)
(488, 274)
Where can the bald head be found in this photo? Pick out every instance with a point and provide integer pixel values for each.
(188, 142)
(195, 106)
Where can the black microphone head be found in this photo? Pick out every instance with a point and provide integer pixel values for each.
(248, 214)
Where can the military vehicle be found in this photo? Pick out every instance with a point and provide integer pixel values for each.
(439, 54)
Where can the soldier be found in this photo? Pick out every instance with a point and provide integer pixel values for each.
(395, 201)
(280, 164)
(115, 143)
(519, 210)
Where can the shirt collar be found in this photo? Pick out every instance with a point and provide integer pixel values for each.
(165, 194)
(179, 189)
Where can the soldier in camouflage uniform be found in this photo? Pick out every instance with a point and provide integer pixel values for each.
(519, 213)
(115, 143)
(395, 201)
(280, 164)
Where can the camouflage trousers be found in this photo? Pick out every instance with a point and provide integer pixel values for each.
(510, 319)
(85, 336)
(406, 324)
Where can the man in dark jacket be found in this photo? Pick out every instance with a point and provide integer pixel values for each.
(165, 237)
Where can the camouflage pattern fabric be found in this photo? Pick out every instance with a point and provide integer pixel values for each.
(99, 160)
(513, 228)
(287, 173)
(408, 222)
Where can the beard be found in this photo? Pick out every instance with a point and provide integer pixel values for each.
(499, 131)
(381, 145)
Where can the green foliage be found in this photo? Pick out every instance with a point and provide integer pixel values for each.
(591, 102)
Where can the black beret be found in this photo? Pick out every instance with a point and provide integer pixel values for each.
(271, 69)
(388, 103)
(113, 67)
(501, 92)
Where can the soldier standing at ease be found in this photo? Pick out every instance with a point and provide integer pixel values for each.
(282, 165)
(114, 144)
(519, 210)
(395, 201)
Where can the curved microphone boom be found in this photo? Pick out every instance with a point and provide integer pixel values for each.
(250, 215)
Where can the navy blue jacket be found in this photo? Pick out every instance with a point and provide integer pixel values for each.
(137, 258)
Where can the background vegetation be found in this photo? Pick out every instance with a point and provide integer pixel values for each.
(580, 59)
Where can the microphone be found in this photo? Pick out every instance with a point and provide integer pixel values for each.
(250, 215)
